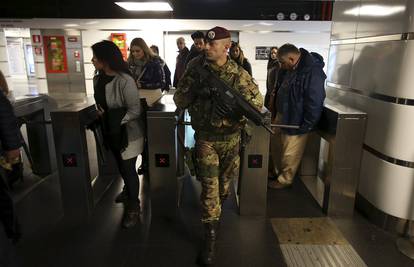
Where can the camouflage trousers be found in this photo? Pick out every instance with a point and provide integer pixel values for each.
(217, 164)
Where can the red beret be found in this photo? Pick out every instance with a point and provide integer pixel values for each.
(217, 33)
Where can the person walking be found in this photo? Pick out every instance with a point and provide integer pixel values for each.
(118, 103)
(299, 101)
(217, 134)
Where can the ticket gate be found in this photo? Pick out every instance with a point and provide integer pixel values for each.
(33, 112)
(332, 158)
(85, 168)
(165, 156)
(254, 161)
(165, 133)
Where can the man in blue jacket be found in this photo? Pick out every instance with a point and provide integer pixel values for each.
(299, 101)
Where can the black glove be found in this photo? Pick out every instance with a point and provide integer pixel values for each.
(222, 110)
(203, 92)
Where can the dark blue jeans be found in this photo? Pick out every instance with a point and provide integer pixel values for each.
(129, 174)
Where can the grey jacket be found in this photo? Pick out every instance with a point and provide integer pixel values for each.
(123, 92)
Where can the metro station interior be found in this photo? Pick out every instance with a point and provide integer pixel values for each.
(351, 202)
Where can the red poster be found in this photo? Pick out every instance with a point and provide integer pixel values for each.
(120, 40)
(55, 54)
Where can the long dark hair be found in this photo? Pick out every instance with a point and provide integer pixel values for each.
(108, 53)
(271, 61)
(240, 60)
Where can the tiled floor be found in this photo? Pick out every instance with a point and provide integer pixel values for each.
(160, 241)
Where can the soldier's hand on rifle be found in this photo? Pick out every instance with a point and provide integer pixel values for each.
(100, 110)
(13, 156)
(222, 110)
(203, 92)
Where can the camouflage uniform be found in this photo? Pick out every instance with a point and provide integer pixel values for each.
(217, 138)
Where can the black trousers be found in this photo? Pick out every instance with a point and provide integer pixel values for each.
(129, 174)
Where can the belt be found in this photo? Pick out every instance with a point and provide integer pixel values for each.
(215, 137)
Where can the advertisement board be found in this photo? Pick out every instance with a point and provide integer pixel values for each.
(55, 54)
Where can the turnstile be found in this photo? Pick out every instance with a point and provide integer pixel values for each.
(33, 111)
(331, 162)
(165, 135)
(165, 162)
(254, 160)
(85, 168)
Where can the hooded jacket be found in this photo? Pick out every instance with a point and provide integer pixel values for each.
(301, 98)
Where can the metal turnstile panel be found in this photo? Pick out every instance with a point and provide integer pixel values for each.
(162, 153)
(34, 112)
(84, 176)
(252, 184)
(331, 162)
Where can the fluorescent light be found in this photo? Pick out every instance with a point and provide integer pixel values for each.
(375, 10)
(145, 6)
(71, 25)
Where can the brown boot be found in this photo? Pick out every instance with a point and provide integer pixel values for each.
(208, 253)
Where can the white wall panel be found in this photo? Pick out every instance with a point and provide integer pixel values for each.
(2, 38)
(3, 54)
(387, 186)
(390, 127)
(40, 70)
(87, 54)
(89, 87)
(42, 86)
(4, 66)
(89, 71)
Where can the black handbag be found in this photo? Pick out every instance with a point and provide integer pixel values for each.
(116, 135)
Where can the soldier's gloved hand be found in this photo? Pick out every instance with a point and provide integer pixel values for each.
(222, 110)
(203, 92)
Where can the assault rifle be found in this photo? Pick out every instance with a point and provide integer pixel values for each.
(229, 100)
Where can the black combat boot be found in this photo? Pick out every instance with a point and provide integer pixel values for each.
(208, 253)
(122, 197)
(131, 214)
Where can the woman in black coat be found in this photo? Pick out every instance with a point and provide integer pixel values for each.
(236, 53)
(273, 67)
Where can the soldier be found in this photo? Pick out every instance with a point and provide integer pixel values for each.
(217, 135)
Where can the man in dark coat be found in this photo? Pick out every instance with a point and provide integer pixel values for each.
(181, 59)
(299, 101)
(10, 144)
(198, 47)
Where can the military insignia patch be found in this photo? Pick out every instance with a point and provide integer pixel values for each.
(211, 35)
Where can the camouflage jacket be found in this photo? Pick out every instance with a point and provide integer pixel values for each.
(193, 93)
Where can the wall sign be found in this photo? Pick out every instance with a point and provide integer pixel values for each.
(262, 52)
(72, 39)
(120, 40)
(55, 54)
